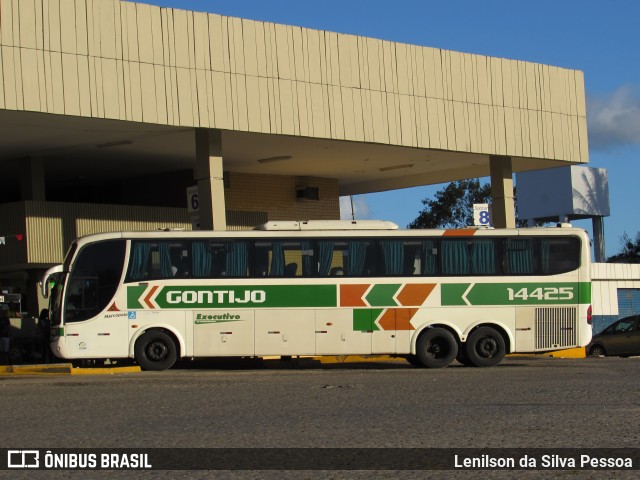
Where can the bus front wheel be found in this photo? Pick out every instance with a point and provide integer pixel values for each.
(485, 347)
(436, 348)
(155, 350)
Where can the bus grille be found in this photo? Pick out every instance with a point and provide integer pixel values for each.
(556, 328)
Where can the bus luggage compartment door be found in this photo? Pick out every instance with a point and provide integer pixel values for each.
(223, 333)
(285, 332)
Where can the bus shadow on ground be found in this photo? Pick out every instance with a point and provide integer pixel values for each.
(294, 363)
(301, 363)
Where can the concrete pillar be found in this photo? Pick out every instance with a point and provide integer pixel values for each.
(209, 177)
(598, 240)
(502, 192)
(32, 185)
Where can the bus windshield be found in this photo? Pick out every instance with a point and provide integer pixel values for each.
(93, 279)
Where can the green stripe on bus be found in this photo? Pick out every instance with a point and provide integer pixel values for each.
(250, 296)
(381, 295)
(133, 295)
(364, 318)
(565, 293)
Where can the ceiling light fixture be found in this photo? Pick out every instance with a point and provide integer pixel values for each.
(396, 167)
(275, 159)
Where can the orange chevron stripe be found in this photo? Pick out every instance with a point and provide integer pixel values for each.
(403, 318)
(414, 294)
(462, 232)
(388, 319)
(397, 319)
(147, 299)
(351, 295)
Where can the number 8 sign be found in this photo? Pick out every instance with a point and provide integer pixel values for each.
(481, 215)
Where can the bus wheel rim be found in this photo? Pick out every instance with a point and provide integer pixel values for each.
(157, 351)
(487, 347)
(438, 348)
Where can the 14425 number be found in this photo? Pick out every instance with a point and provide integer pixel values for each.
(541, 293)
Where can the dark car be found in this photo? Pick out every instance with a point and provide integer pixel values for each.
(620, 338)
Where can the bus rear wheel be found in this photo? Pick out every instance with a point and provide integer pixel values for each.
(436, 348)
(155, 350)
(485, 347)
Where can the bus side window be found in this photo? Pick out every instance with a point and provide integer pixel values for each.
(219, 258)
(329, 257)
(400, 257)
(519, 256)
(152, 260)
(284, 258)
(559, 255)
(360, 258)
(455, 257)
(393, 254)
(483, 256)
(352, 258)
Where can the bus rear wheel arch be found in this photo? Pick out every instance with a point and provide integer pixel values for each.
(485, 347)
(155, 350)
(436, 347)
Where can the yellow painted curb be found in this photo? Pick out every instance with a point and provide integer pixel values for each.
(570, 353)
(54, 369)
(104, 371)
(63, 369)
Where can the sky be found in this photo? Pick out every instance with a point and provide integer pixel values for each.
(600, 38)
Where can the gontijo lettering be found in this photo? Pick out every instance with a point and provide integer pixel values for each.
(221, 296)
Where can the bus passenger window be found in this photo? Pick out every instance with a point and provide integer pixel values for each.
(283, 258)
(455, 257)
(519, 256)
(352, 258)
(219, 258)
(157, 260)
(560, 255)
(329, 261)
(400, 257)
(359, 258)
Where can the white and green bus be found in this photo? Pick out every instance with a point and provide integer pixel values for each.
(322, 288)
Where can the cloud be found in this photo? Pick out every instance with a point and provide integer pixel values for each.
(614, 119)
(360, 208)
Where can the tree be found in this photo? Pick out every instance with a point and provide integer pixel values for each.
(630, 252)
(453, 205)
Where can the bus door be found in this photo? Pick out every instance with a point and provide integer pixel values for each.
(93, 329)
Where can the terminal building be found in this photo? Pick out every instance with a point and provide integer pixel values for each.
(111, 111)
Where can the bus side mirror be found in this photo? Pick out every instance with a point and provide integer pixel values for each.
(44, 283)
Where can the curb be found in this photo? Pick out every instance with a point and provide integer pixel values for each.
(62, 369)
(105, 371)
(570, 353)
(54, 369)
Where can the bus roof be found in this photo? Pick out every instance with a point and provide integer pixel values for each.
(327, 228)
